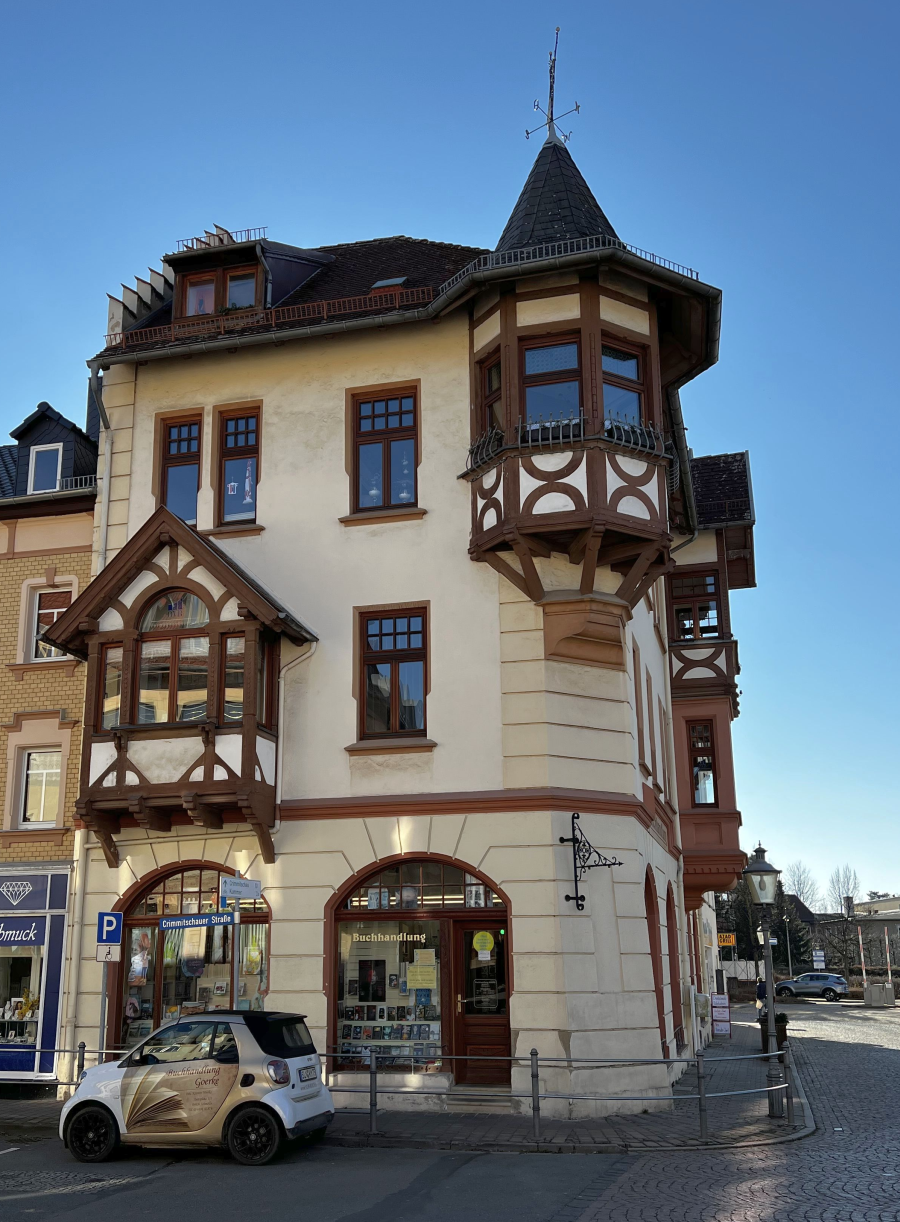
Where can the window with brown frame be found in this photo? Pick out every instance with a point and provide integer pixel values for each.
(266, 682)
(173, 660)
(48, 607)
(703, 763)
(551, 387)
(385, 444)
(491, 386)
(623, 384)
(239, 466)
(218, 291)
(110, 704)
(695, 606)
(180, 476)
(393, 657)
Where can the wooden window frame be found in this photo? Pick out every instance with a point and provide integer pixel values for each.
(393, 656)
(249, 451)
(703, 752)
(639, 708)
(651, 724)
(226, 274)
(641, 386)
(693, 601)
(576, 374)
(385, 436)
(489, 398)
(223, 664)
(268, 654)
(167, 460)
(99, 727)
(173, 635)
(219, 277)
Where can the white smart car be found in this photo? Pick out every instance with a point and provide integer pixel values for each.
(246, 1081)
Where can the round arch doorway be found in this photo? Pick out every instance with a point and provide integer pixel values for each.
(422, 972)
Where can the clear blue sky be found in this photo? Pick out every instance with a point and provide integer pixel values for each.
(755, 142)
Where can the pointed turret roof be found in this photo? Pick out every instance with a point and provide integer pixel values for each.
(556, 203)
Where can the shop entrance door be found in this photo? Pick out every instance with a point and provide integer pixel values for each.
(481, 1002)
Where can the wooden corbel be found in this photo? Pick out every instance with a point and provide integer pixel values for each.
(525, 549)
(260, 814)
(635, 574)
(146, 817)
(654, 572)
(201, 815)
(103, 826)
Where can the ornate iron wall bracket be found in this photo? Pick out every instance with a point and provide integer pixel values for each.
(584, 857)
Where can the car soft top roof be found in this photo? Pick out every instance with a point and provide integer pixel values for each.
(268, 1015)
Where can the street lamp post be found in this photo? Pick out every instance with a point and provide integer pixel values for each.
(787, 939)
(761, 878)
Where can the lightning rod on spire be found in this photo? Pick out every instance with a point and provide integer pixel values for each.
(548, 113)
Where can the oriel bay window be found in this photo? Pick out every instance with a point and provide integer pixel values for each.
(385, 442)
(703, 763)
(393, 673)
(239, 473)
(181, 467)
(551, 387)
(623, 385)
(695, 606)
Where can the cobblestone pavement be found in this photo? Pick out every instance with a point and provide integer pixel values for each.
(848, 1171)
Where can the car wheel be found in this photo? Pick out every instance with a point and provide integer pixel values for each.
(784, 992)
(254, 1137)
(829, 995)
(92, 1135)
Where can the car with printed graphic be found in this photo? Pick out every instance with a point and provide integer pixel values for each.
(246, 1081)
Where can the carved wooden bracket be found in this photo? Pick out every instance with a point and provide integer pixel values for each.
(200, 813)
(103, 826)
(259, 812)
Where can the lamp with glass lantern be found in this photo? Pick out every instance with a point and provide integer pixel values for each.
(762, 878)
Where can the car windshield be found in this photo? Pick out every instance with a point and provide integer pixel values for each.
(280, 1035)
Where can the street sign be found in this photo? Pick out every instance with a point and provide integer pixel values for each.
(192, 922)
(109, 928)
(819, 960)
(727, 939)
(109, 953)
(239, 888)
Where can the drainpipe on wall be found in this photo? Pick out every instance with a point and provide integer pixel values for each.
(279, 752)
(107, 464)
(76, 893)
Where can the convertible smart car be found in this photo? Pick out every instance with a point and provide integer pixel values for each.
(245, 1081)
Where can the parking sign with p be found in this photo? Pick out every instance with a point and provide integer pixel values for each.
(109, 928)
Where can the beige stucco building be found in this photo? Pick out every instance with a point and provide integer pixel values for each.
(381, 556)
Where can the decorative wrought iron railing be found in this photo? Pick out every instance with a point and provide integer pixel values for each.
(204, 326)
(564, 434)
(222, 238)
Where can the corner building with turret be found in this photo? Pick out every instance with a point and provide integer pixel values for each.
(410, 602)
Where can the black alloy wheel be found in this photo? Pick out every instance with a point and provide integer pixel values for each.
(829, 995)
(784, 992)
(92, 1135)
(254, 1137)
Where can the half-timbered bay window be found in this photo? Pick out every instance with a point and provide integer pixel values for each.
(393, 679)
(239, 450)
(703, 763)
(695, 606)
(385, 450)
(551, 385)
(181, 467)
(623, 385)
(173, 660)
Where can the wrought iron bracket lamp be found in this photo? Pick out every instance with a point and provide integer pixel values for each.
(584, 857)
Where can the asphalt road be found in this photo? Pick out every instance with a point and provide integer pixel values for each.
(849, 1171)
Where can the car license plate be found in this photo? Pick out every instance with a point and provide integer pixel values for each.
(307, 1074)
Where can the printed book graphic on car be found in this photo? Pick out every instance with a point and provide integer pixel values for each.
(177, 1100)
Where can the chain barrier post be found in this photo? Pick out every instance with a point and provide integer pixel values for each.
(789, 1080)
(535, 1096)
(373, 1092)
(701, 1097)
(81, 1048)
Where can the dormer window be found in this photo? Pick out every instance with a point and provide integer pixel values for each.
(241, 294)
(385, 286)
(43, 471)
(200, 297)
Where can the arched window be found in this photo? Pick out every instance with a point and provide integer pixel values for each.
(173, 663)
(172, 968)
(422, 972)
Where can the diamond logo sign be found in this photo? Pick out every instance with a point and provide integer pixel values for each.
(15, 892)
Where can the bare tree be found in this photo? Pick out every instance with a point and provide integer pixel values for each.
(798, 880)
(841, 882)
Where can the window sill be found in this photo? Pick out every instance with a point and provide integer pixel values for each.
(373, 516)
(390, 746)
(20, 669)
(233, 529)
(52, 834)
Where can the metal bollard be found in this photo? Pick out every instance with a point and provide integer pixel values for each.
(701, 1097)
(535, 1096)
(373, 1092)
(789, 1079)
(81, 1048)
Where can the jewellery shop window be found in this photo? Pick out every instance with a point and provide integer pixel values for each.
(20, 994)
(394, 945)
(175, 967)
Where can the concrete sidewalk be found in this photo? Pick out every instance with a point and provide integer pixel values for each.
(734, 1120)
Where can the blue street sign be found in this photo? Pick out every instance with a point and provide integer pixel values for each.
(109, 928)
(191, 922)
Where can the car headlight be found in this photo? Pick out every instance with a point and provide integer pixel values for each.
(279, 1072)
(81, 1078)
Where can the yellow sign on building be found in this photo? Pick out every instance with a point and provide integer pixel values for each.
(727, 939)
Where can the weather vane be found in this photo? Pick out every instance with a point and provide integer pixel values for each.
(548, 113)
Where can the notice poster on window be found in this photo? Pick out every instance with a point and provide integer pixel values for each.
(486, 996)
(421, 976)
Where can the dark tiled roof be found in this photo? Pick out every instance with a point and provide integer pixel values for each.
(804, 914)
(8, 470)
(357, 266)
(555, 203)
(722, 489)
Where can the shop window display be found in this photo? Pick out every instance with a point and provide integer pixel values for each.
(20, 993)
(171, 973)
